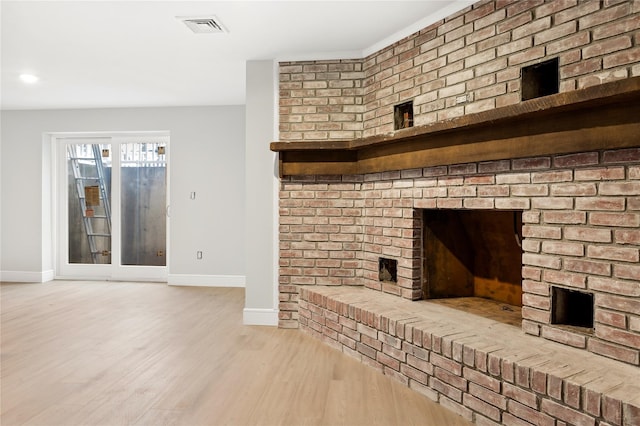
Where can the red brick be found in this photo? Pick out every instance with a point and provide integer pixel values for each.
(545, 232)
(535, 287)
(617, 352)
(618, 303)
(622, 156)
(447, 390)
(563, 217)
(612, 410)
(603, 17)
(530, 190)
(615, 219)
(541, 260)
(574, 189)
(511, 420)
(522, 5)
(627, 236)
(564, 336)
(554, 6)
(608, 173)
(535, 163)
(567, 414)
(526, 56)
(531, 415)
(614, 319)
(565, 278)
(583, 8)
(494, 191)
(479, 12)
(606, 46)
(588, 234)
(600, 203)
(531, 28)
(481, 407)
(613, 28)
(414, 374)
(587, 267)
(536, 301)
(489, 19)
(613, 253)
(539, 382)
(626, 271)
(514, 22)
(563, 248)
(591, 402)
(555, 32)
(572, 394)
(621, 337)
(619, 188)
(552, 203)
(531, 246)
(520, 395)
(481, 379)
(631, 413)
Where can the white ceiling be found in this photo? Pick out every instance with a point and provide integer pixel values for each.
(91, 54)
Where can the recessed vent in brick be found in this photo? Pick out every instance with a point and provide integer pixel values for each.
(571, 307)
(388, 270)
(540, 79)
(403, 115)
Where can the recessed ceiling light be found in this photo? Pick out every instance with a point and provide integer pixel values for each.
(29, 78)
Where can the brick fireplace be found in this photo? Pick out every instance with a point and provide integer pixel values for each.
(484, 193)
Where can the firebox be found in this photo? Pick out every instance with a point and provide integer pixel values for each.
(472, 253)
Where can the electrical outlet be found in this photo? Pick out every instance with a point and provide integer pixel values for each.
(199, 255)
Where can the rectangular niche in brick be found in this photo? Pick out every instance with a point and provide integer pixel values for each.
(388, 270)
(571, 307)
(403, 115)
(540, 79)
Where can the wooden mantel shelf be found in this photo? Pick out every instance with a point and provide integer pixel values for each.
(606, 116)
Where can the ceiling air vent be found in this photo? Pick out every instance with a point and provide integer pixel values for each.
(203, 25)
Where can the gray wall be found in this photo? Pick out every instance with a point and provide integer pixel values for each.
(262, 183)
(206, 154)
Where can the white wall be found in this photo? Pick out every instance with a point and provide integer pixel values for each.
(261, 306)
(207, 155)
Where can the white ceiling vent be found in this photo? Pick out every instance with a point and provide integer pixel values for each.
(203, 24)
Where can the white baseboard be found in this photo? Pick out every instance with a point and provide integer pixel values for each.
(27, 277)
(254, 316)
(206, 280)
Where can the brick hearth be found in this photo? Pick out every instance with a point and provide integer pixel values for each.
(482, 369)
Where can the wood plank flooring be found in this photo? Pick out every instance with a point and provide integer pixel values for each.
(99, 353)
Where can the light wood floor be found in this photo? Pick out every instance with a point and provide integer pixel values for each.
(96, 353)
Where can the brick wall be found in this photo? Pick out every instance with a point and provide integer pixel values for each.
(477, 53)
(581, 212)
(321, 100)
(581, 220)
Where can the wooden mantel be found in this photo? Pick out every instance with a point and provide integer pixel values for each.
(606, 116)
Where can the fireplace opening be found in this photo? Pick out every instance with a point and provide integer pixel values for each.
(474, 254)
(571, 307)
(387, 270)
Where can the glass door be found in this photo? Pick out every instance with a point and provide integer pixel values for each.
(112, 213)
(143, 176)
